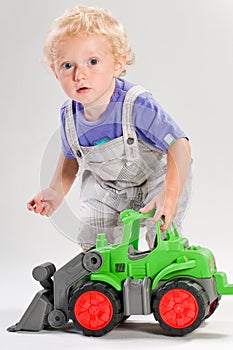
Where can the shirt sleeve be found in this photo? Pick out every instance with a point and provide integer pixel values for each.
(66, 150)
(153, 125)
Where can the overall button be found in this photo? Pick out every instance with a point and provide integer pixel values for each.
(130, 140)
(79, 154)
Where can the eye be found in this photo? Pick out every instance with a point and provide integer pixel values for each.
(93, 61)
(67, 65)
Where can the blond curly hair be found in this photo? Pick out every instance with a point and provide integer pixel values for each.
(82, 20)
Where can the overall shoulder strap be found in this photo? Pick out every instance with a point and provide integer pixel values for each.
(129, 134)
(71, 133)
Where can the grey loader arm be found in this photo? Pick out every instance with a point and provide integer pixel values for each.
(49, 307)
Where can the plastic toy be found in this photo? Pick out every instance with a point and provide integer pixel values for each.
(98, 289)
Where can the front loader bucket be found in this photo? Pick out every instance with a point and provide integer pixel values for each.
(35, 317)
(50, 306)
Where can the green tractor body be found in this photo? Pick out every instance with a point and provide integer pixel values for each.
(99, 289)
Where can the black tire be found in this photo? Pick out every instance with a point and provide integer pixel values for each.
(95, 308)
(124, 318)
(180, 306)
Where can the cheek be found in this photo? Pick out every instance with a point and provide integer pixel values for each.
(65, 87)
(104, 74)
(64, 81)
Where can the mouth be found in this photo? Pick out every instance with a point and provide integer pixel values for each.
(83, 90)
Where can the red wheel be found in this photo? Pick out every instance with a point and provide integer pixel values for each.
(180, 306)
(95, 308)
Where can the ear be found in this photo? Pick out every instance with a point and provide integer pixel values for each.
(119, 66)
(52, 67)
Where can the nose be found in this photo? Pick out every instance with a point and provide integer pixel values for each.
(80, 73)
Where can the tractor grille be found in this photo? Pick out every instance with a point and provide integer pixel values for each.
(120, 267)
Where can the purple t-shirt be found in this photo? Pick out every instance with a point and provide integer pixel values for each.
(152, 124)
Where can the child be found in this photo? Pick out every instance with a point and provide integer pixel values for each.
(129, 152)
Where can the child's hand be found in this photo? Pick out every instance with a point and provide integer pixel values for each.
(178, 167)
(165, 204)
(45, 202)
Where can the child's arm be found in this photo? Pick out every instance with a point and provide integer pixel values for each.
(46, 201)
(178, 166)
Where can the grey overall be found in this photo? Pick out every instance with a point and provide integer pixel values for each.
(120, 174)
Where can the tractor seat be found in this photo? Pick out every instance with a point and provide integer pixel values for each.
(135, 254)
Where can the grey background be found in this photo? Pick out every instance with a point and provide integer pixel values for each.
(184, 55)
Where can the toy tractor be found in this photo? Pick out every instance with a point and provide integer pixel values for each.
(98, 289)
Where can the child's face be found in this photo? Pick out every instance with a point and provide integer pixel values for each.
(86, 68)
